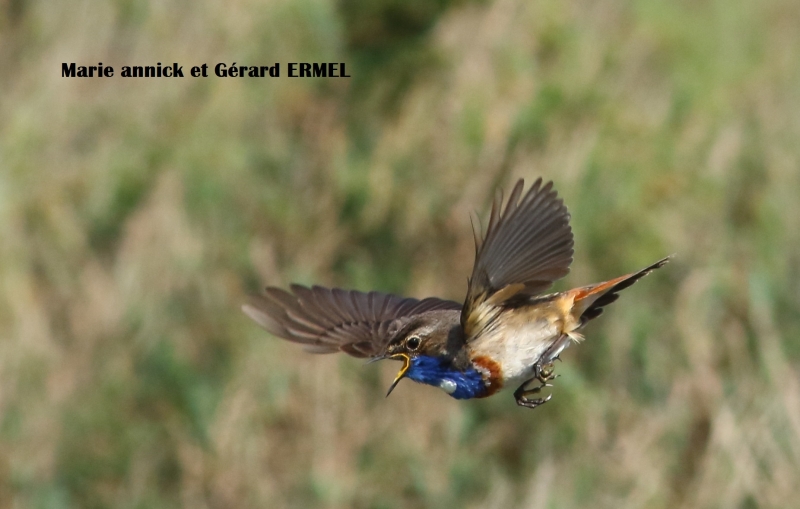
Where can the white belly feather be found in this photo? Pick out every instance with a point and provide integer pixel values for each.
(518, 350)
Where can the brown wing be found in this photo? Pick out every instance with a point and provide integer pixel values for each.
(526, 248)
(330, 320)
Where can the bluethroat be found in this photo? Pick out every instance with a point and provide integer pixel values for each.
(507, 334)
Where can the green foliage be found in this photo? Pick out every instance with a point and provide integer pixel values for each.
(135, 217)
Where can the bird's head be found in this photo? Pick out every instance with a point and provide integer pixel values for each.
(424, 343)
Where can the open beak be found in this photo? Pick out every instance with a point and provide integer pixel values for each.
(402, 373)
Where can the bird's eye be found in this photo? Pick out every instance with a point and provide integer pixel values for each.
(412, 343)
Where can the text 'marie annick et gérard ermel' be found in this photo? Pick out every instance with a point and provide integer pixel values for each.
(221, 70)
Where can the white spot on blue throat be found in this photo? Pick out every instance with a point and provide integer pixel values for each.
(439, 372)
(448, 386)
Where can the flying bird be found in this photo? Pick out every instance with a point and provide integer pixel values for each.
(507, 333)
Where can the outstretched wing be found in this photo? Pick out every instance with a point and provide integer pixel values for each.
(330, 320)
(526, 248)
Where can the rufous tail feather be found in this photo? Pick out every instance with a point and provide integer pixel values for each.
(588, 301)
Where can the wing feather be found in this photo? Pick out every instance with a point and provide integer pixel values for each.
(328, 320)
(527, 246)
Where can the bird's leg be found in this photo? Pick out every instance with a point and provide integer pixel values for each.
(543, 374)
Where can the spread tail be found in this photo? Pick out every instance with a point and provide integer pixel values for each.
(588, 301)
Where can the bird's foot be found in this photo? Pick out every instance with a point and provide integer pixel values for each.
(521, 394)
(544, 374)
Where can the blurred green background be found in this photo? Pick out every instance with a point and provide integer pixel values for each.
(136, 215)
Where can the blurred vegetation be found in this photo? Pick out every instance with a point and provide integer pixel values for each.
(135, 215)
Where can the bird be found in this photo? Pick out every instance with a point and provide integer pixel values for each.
(506, 335)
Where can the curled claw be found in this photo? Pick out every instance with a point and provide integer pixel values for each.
(522, 393)
(532, 403)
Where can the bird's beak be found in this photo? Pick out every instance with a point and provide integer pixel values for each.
(402, 373)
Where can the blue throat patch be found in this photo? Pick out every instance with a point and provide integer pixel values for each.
(434, 370)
